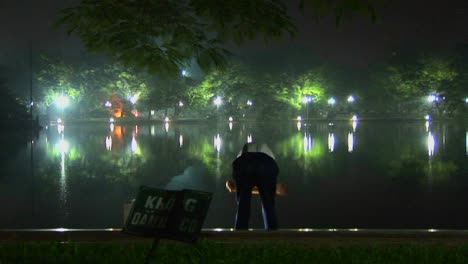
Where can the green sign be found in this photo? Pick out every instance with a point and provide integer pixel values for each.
(160, 213)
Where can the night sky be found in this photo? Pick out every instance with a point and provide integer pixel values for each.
(357, 43)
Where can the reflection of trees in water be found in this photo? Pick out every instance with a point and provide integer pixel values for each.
(305, 151)
(418, 168)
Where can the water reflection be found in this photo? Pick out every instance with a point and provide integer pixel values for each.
(398, 165)
(350, 142)
(166, 127)
(354, 125)
(60, 128)
(299, 125)
(134, 146)
(331, 142)
(307, 142)
(217, 143)
(431, 143)
(230, 126)
(109, 143)
(427, 125)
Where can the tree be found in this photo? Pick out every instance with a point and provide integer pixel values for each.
(165, 36)
(312, 83)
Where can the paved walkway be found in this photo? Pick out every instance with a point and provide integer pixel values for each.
(313, 237)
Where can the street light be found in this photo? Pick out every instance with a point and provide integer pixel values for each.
(249, 103)
(351, 99)
(433, 98)
(466, 100)
(218, 101)
(133, 98)
(332, 101)
(62, 101)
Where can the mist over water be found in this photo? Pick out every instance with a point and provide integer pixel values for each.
(369, 174)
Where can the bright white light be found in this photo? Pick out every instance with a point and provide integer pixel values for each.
(249, 103)
(134, 145)
(60, 129)
(62, 101)
(466, 142)
(432, 98)
(217, 142)
(350, 142)
(351, 99)
(427, 124)
(430, 144)
(354, 118)
(466, 100)
(332, 101)
(230, 125)
(109, 143)
(218, 101)
(134, 98)
(427, 117)
(331, 142)
(299, 118)
(152, 112)
(111, 127)
(166, 119)
(183, 72)
(249, 138)
(307, 99)
(63, 146)
(299, 125)
(166, 127)
(230, 119)
(107, 104)
(181, 141)
(181, 103)
(111, 120)
(59, 120)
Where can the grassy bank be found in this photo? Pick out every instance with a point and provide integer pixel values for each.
(228, 252)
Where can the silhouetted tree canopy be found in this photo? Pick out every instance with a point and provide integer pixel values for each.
(164, 36)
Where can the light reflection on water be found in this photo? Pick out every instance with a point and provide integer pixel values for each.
(350, 142)
(431, 144)
(331, 142)
(392, 155)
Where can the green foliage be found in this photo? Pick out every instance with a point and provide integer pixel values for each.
(215, 252)
(311, 83)
(88, 86)
(164, 36)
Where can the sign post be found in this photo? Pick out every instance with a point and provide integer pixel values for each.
(165, 214)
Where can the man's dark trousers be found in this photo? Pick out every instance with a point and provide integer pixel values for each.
(255, 169)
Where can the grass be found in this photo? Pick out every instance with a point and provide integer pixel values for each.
(225, 253)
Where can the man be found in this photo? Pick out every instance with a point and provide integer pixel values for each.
(255, 167)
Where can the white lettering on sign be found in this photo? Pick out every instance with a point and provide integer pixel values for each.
(158, 221)
(135, 218)
(158, 203)
(149, 202)
(189, 205)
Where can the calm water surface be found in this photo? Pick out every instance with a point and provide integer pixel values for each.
(343, 175)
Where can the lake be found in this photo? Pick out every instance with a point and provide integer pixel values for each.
(365, 174)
